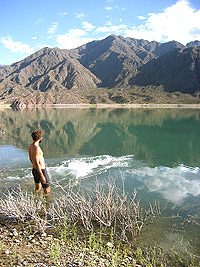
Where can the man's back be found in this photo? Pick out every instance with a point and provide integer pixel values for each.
(36, 156)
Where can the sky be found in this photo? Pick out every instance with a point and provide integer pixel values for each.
(27, 26)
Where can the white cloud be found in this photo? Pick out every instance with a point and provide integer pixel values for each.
(88, 26)
(63, 14)
(102, 29)
(79, 15)
(53, 28)
(141, 17)
(73, 38)
(178, 22)
(108, 8)
(118, 29)
(16, 46)
(109, 23)
(39, 21)
(34, 38)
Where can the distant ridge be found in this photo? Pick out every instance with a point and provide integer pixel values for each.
(79, 75)
(194, 44)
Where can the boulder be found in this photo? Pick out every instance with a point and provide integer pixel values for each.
(18, 105)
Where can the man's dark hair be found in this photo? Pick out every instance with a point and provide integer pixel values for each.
(36, 134)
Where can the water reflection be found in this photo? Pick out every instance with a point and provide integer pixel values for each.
(173, 184)
(157, 150)
(158, 137)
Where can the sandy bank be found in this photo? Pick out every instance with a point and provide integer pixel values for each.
(3, 106)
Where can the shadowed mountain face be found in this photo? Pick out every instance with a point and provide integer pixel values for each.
(178, 70)
(115, 59)
(65, 76)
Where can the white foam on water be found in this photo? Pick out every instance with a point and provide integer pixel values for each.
(87, 166)
(13, 178)
(173, 183)
(22, 174)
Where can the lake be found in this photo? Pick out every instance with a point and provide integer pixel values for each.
(156, 150)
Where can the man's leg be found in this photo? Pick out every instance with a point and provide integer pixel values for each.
(47, 190)
(38, 187)
(46, 186)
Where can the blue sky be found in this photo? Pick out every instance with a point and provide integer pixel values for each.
(27, 26)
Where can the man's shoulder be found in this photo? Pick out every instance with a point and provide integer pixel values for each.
(34, 147)
(30, 146)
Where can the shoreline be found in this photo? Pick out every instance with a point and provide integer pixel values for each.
(125, 106)
(196, 106)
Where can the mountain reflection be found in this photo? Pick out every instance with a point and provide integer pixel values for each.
(157, 137)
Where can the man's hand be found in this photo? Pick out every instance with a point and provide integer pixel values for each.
(43, 179)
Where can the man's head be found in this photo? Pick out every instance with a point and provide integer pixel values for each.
(36, 134)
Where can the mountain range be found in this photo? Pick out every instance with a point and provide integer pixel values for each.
(112, 70)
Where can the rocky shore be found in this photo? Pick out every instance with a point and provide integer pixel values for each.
(20, 105)
(20, 247)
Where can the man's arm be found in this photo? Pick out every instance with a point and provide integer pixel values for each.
(37, 161)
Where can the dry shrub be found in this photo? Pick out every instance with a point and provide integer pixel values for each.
(22, 206)
(104, 208)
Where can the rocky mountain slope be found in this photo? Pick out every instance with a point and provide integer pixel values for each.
(47, 75)
(65, 76)
(115, 59)
(178, 70)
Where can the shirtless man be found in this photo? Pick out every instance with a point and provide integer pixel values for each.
(39, 171)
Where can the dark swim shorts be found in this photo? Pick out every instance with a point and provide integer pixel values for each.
(37, 177)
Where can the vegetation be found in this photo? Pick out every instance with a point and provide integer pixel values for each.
(97, 228)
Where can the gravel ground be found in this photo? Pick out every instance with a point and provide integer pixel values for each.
(22, 248)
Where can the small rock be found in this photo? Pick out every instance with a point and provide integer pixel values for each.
(7, 252)
(43, 234)
(21, 233)
(14, 231)
(17, 241)
(110, 245)
(30, 237)
(131, 259)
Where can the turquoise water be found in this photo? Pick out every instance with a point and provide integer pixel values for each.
(157, 151)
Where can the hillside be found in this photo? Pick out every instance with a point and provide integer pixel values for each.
(178, 70)
(113, 59)
(46, 76)
(112, 70)
(120, 57)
